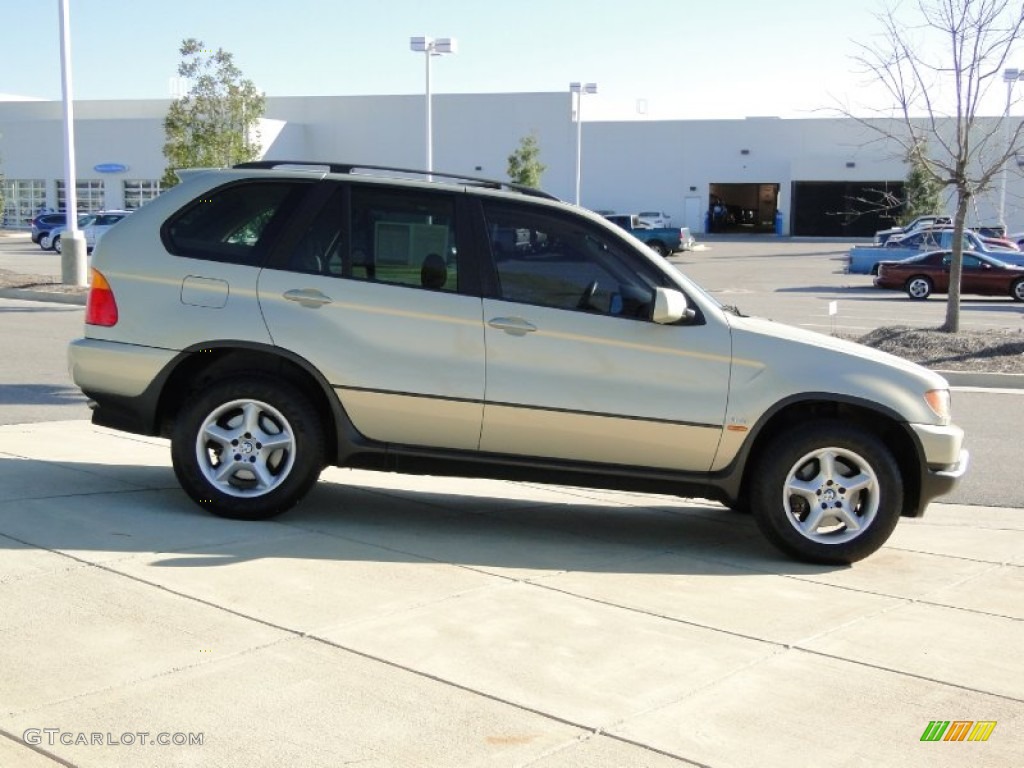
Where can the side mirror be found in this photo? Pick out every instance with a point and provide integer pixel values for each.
(670, 307)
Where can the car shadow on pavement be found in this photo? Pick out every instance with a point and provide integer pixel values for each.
(100, 512)
(40, 394)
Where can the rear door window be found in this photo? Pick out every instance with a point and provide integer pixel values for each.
(378, 234)
(405, 238)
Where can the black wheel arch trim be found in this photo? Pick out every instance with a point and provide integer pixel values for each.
(147, 413)
(732, 478)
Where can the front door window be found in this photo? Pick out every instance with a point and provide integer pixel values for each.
(557, 262)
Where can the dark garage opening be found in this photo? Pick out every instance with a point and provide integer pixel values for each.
(844, 208)
(746, 208)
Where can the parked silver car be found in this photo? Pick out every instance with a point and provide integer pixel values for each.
(655, 218)
(93, 226)
(275, 318)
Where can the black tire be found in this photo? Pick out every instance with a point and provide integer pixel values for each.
(659, 247)
(55, 244)
(918, 287)
(279, 441)
(820, 459)
(1017, 289)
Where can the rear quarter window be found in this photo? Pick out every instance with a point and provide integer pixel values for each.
(233, 223)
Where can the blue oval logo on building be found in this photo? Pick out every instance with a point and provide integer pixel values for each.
(110, 168)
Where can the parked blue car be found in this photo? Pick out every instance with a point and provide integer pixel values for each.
(864, 259)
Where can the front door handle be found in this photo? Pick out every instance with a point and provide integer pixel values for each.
(308, 297)
(514, 325)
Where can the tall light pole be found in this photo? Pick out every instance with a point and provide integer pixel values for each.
(430, 47)
(72, 260)
(580, 90)
(1010, 76)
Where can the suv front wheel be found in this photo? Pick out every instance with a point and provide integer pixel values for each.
(248, 447)
(827, 492)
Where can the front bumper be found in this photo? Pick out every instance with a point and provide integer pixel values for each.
(945, 461)
(938, 482)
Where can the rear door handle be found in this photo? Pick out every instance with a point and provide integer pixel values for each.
(514, 325)
(308, 297)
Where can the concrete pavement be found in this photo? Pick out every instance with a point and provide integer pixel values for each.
(399, 621)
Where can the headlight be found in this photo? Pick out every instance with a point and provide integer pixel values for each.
(938, 401)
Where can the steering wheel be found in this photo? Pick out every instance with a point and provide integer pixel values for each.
(588, 294)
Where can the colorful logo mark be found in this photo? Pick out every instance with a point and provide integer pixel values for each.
(958, 730)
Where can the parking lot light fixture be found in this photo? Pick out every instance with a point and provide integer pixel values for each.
(431, 47)
(576, 93)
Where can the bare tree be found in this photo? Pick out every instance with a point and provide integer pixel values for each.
(938, 61)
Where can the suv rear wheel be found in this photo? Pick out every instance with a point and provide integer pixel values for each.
(248, 447)
(827, 492)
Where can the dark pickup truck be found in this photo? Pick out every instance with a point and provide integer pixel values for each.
(664, 240)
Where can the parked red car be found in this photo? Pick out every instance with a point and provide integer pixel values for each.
(921, 276)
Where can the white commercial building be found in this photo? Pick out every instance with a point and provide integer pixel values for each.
(806, 177)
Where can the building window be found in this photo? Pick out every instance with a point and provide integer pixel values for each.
(89, 192)
(23, 199)
(139, 192)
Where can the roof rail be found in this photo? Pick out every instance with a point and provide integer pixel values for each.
(349, 168)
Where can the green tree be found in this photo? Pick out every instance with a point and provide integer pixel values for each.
(524, 165)
(216, 123)
(922, 189)
(936, 64)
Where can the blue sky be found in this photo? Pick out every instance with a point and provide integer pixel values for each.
(671, 58)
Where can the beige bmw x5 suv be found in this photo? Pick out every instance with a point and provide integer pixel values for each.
(275, 318)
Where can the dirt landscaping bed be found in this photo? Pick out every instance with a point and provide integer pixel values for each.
(993, 351)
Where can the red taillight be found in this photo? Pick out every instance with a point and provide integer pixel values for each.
(100, 309)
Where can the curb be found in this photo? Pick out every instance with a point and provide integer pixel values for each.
(983, 380)
(27, 294)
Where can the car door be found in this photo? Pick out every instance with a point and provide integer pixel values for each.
(976, 276)
(969, 274)
(576, 370)
(373, 292)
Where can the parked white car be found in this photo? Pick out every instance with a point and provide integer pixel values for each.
(655, 218)
(93, 227)
(921, 222)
